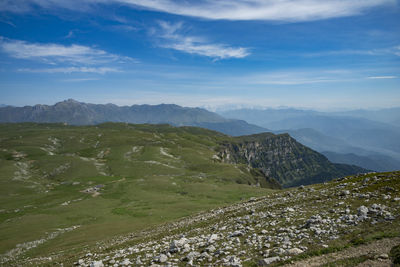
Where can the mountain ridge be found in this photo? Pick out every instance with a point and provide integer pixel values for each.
(79, 113)
(284, 159)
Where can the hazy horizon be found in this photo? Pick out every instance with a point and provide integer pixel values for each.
(217, 109)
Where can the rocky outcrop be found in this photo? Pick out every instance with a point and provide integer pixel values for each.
(283, 158)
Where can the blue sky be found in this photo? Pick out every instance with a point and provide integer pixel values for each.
(332, 54)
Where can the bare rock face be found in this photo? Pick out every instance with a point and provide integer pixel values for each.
(282, 158)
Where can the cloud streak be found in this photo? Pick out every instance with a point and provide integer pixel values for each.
(269, 10)
(68, 70)
(56, 53)
(395, 50)
(383, 77)
(197, 45)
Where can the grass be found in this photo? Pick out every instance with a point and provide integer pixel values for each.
(395, 255)
(140, 189)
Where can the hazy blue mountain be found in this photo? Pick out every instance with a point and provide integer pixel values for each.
(321, 142)
(375, 162)
(263, 117)
(232, 127)
(339, 151)
(388, 115)
(350, 132)
(360, 132)
(78, 113)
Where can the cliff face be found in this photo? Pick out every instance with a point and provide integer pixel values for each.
(281, 157)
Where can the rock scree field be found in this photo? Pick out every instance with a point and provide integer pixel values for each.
(119, 194)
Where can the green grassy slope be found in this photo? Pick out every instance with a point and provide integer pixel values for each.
(64, 187)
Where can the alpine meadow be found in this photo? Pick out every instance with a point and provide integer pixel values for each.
(200, 133)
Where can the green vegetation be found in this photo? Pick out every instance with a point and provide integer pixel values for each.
(109, 180)
(395, 255)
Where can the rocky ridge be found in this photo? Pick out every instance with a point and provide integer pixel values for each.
(282, 227)
(283, 158)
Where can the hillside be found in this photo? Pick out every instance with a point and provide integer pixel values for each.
(346, 222)
(93, 182)
(89, 183)
(79, 113)
(283, 158)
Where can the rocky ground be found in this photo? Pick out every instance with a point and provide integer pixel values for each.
(303, 226)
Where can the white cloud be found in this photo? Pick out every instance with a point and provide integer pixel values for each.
(56, 53)
(372, 52)
(99, 70)
(382, 77)
(197, 45)
(273, 10)
(296, 77)
(282, 10)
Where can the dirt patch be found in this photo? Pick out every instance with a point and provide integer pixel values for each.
(374, 248)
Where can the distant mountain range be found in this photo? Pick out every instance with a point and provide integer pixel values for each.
(264, 117)
(344, 137)
(78, 113)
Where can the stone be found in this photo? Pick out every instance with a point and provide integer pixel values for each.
(383, 256)
(212, 238)
(176, 245)
(268, 261)
(192, 255)
(236, 233)
(362, 211)
(234, 262)
(210, 248)
(97, 264)
(289, 209)
(294, 251)
(344, 193)
(163, 258)
(126, 262)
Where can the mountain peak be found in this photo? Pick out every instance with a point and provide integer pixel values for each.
(70, 100)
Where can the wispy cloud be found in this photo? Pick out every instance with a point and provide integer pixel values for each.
(78, 80)
(283, 10)
(273, 10)
(99, 70)
(312, 76)
(55, 53)
(172, 38)
(296, 77)
(395, 50)
(382, 77)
